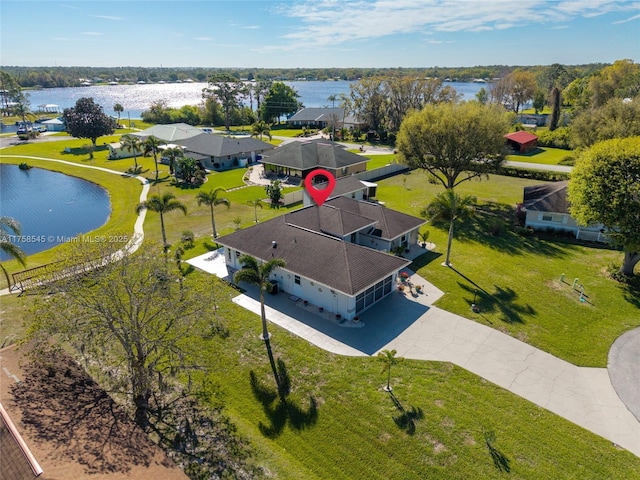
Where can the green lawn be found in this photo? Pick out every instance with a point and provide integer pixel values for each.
(544, 155)
(338, 423)
(355, 430)
(518, 277)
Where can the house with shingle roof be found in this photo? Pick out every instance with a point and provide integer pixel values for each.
(547, 208)
(336, 255)
(298, 159)
(219, 152)
(324, 117)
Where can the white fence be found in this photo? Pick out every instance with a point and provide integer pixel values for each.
(387, 170)
(292, 197)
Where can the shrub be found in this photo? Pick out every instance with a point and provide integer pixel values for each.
(559, 138)
(187, 238)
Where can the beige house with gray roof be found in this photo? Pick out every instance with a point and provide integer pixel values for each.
(336, 255)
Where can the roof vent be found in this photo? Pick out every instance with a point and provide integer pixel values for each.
(274, 244)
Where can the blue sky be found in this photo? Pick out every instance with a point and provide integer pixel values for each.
(319, 33)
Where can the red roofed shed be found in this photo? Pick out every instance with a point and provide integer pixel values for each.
(522, 141)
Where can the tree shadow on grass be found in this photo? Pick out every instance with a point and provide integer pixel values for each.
(500, 460)
(502, 300)
(279, 410)
(406, 420)
(424, 260)
(631, 291)
(493, 225)
(61, 405)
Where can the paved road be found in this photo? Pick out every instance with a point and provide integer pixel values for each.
(539, 166)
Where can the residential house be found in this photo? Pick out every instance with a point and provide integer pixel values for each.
(522, 141)
(335, 254)
(349, 186)
(547, 208)
(218, 152)
(298, 159)
(54, 125)
(169, 133)
(324, 117)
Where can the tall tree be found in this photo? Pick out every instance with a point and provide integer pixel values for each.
(135, 321)
(615, 119)
(258, 274)
(212, 199)
(332, 98)
(556, 104)
(368, 102)
(450, 207)
(173, 154)
(161, 205)
(280, 100)
(454, 142)
(9, 228)
(87, 120)
(132, 144)
(605, 189)
(118, 108)
(388, 359)
(260, 90)
(227, 90)
(152, 145)
(255, 203)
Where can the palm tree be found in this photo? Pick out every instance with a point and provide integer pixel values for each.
(258, 274)
(260, 128)
(211, 198)
(388, 358)
(132, 144)
(152, 145)
(8, 227)
(173, 154)
(118, 108)
(451, 207)
(256, 203)
(332, 99)
(162, 204)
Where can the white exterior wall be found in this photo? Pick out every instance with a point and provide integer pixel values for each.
(314, 292)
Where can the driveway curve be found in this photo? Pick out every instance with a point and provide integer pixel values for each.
(624, 369)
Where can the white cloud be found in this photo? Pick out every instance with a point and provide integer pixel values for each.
(107, 17)
(252, 27)
(204, 39)
(332, 22)
(630, 19)
(93, 34)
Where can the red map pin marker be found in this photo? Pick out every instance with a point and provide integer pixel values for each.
(319, 195)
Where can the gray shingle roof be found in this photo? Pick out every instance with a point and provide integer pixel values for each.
(547, 197)
(222, 146)
(340, 265)
(317, 115)
(390, 222)
(309, 155)
(328, 219)
(170, 133)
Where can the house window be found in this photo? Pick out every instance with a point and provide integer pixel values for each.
(373, 294)
(296, 279)
(229, 253)
(353, 237)
(549, 217)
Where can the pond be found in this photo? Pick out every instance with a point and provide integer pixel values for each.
(50, 206)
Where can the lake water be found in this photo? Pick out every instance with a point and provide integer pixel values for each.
(50, 206)
(137, 98)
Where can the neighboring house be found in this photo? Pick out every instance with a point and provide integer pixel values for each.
(17, 463)
(169, 133)
(333, 253)
(117, 151)
(522, 141)
(218, 152)
(297, 159)
(345, 187)
(324, 117)
(547, 208)
(54, 125)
